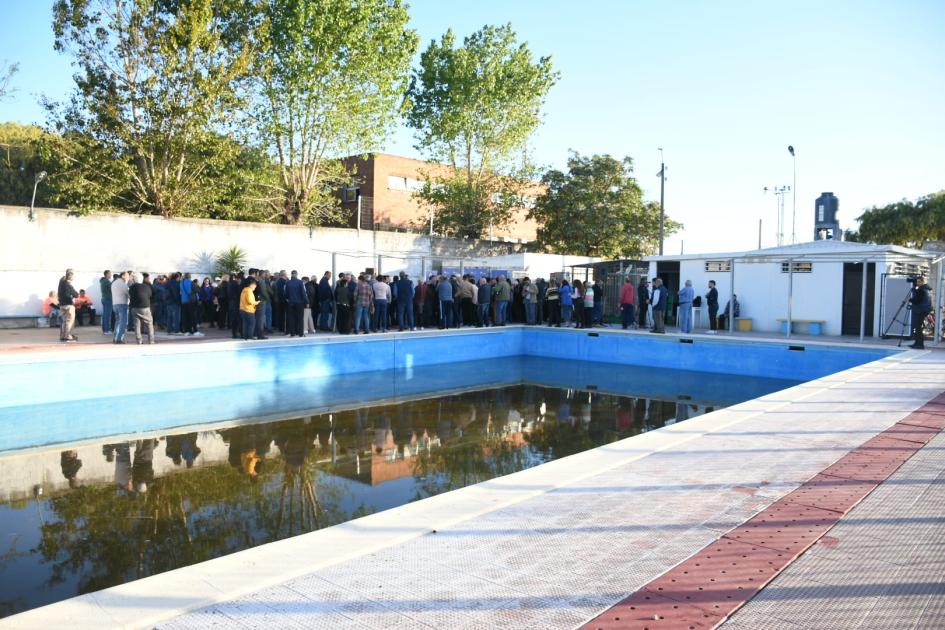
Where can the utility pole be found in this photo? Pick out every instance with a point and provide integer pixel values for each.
(662, 176)
(793, 196)
(779, 192)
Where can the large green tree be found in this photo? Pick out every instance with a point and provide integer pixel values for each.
(473, 109)
(905, 222)
(20, 161)
(328, 79)
(156, 84)
(596, 208)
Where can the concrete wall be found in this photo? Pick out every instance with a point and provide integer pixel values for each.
(35, 254)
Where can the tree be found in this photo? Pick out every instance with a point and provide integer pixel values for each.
(473, 109)
(20, 160)
(597, 209)
(156, 80)
(7, 70)
(905, 223)
(328, 78)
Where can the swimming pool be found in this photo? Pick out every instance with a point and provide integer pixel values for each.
(74, 396)
(85, 516)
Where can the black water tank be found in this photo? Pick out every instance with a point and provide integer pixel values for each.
(826, 224)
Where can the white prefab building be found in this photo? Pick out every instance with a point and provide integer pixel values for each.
(818, 287)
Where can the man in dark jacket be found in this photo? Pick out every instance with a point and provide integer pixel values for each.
(280, 315)
(643, 301)
(296, 298)
(326, 299)
(712, 303)
(67, 294)
(172, 307)
(233, 290)
(405, 294)
(140, 298)
(105, 284)
(921, 303)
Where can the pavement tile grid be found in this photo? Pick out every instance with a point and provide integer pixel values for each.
(756, 552)
(558, 559)
(881, 567)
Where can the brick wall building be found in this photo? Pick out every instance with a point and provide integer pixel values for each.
(386, 196)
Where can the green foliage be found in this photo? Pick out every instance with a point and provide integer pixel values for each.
(230, 261)
(20, 160)
(155, 81)
(327, 78)
(905, 223)
(473, 108)
(597, 209)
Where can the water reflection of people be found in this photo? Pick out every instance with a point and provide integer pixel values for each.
(70, 464)
(142, 470)
(182, 448)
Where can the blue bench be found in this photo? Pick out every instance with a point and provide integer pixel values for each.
(808, 326)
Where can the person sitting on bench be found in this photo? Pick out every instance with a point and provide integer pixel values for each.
(723, 318)
(51, 308)
(83, 307)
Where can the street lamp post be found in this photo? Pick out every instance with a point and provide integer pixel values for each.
(662, 176)
(793, 196)
(40, 176)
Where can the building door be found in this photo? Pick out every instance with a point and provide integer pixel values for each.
(668, 272)
(852, 296)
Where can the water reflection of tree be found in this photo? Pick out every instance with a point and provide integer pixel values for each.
(108, 537)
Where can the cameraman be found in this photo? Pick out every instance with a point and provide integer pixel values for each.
(921, 305)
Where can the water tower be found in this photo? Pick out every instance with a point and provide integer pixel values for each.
(826, 226)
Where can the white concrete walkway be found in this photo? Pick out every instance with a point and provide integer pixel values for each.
(549, 547)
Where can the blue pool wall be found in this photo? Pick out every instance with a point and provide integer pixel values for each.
(207, 367)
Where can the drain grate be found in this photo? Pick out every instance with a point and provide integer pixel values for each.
(724, 575)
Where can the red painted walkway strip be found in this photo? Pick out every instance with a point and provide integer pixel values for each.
(703, 591)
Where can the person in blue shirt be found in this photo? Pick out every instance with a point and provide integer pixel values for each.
(686, 295)
(444, 293)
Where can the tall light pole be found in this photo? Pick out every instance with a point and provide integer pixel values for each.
(40, 176)
(793, 196)
(662, 176)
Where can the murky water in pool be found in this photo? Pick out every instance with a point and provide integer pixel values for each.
(85, 517)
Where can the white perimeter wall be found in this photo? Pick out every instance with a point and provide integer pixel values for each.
(35, 254)
(762, 291)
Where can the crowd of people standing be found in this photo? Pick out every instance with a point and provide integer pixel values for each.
(258, 303)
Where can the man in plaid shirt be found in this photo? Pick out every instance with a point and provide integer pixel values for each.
(363, 297)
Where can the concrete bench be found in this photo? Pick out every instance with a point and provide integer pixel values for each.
(809, 326)
(24, 321)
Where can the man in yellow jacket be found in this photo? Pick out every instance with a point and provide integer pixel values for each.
(248, 304)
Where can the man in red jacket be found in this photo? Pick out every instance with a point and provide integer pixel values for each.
(628, 301)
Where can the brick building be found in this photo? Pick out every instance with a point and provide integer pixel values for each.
(385, 195)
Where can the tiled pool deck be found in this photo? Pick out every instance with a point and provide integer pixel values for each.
(555, 546)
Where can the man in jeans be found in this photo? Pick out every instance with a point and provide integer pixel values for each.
(503, 293)
(105, 284)
(67, 294)
(172, 305)
(658, 299)
(120, 299)
(484, 298)
(444, 293)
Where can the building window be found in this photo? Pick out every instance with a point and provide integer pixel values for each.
(718, 266)
(799, 267)
(349, 194)
(404, 184)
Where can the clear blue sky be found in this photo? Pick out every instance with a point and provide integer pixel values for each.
(857, 87)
